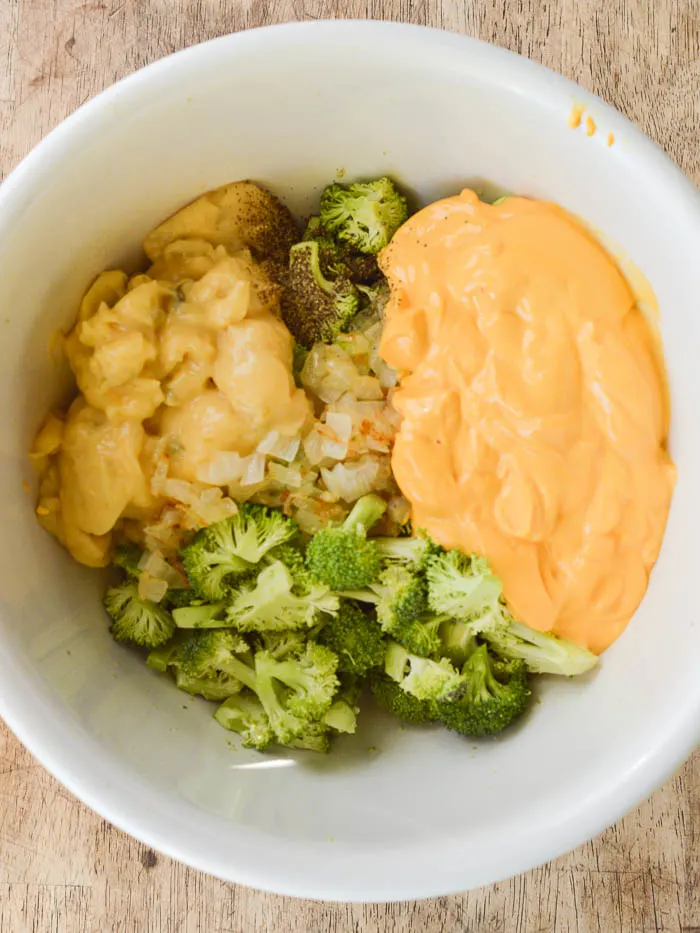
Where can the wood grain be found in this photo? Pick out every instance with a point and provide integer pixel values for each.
(63, 869)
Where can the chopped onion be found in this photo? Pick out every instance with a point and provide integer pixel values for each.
(180, 490)
(341, 423)
(399, 509)
(153, 563)
(254, 470)
(332, 447)
(313, 446)
(387, 376)
(224, 467)
(312, 515)
(352, 480)
(210, 510)
(165, 533)
(281, 448)
(152, 588)
(328, 372)
(285, 476)
(368, 388)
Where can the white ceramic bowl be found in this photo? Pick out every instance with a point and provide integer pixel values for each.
(425, 813)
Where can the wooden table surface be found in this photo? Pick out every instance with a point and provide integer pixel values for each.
(65, 870)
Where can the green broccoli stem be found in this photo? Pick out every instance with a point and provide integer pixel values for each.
(406, 550)
(242, 671)
(341, 717)
(206, 616)
(366, 512)
(160, 659)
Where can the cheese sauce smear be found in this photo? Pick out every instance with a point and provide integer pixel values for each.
(534, 407)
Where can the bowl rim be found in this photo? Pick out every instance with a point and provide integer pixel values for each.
(319, 874)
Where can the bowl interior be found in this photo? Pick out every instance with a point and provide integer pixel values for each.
(391, 813)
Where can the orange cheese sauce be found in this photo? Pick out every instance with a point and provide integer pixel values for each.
(534, 408)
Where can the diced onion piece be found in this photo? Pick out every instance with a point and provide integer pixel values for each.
(213, 510)
(399, 510)
(314, 446)
(311, 516)
(332, 447)
(328, 372)
(180, 490)
(352, 480)
(387, 376)
(285, 476)
(151, 587)
(254, 470)
(166, 532)
(153, 563)
(357, 346)
(224, 467)
(368, 388)
(281, 448)
(341, 423)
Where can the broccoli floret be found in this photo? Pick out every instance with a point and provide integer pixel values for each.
(127, 557)
(244, 713)
(493, 695)
(293, 558)
(458, 641)
(139, 621)
(207, 655)
(315, 308)
(341, 556)
(294, 693)
(389, 695)
(217, 687)
(278, 600)
(374, 299)
(339, 259)
(542, 652)
(401, 600)
(355, 636)
(178, 598)
(409, 552)
(165, 656)
(310, 678)
(231, 547)
(279, 645)
(314, 739)
(421, 677)
(459, 585)
(309, 683)
(421, 636)
(364, 215)
(465, 588)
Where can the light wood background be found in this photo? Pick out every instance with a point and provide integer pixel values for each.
(63, 869)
